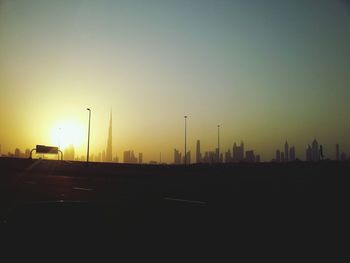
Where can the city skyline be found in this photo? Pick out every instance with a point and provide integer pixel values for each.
(313, 152)
(266, 71)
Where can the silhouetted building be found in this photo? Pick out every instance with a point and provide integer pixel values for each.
(278, 156)
(17, 153)
(292, 157)
(309, 153)
(257, 158)
(140, 157)
(282, 157)
(177, 157)
(69, 153)
(210, 157)
(26, 154)
(315, 152)
(109, 141)
(286, 152)
(228, 158)
(129, 157)
(188, 158)
(238, 152)
(198, 152)
(249, 156)
(343, 156)
(337, 153)
(321, 156)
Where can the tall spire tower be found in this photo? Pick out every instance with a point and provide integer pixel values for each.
(109, 141)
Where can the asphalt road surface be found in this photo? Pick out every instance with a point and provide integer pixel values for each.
(174, 202)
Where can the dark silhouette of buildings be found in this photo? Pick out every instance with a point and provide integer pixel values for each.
(210, 157)
(309, 153)
(278, 156)
(286, 152)
(292, 157)
(17, 153)
(228, 157)
(238, 152)
(109, 155)
(315, 153)
(282, 157)
(287, 156)
(198, 152)
(343, 156)
(177, 157)
(188, 158)
(140, 158)
(129, 157)
(257, 158)
(250, 156)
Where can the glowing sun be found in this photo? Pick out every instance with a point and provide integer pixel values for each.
(67, 133)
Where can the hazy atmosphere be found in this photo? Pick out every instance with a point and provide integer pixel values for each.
(266, 71)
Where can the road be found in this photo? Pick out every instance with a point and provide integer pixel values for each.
(197, 202)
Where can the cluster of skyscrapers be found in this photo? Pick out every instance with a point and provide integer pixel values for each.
(237, 155)
(288, 155)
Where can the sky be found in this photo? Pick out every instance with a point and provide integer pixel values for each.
(266, 71)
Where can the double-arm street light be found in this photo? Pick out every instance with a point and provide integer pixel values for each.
(218, 143)
(185, 141)
(88, 145)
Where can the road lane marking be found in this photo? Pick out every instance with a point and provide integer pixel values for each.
(83, 189)
(186, 201)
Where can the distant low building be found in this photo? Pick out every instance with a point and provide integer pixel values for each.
(177, 157)
(129, 157)
(250, 156)
(257, 158)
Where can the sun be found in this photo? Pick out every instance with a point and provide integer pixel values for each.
(67, 133)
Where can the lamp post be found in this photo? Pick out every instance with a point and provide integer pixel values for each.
(185, 141)
(87, 157)
(218, 143)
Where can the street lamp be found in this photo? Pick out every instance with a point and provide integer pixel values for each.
(185, 141)
(218, 143)
(87, 158)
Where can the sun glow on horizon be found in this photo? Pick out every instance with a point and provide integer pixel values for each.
(65, 133)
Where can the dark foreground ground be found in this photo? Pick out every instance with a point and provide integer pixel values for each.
(244, 203)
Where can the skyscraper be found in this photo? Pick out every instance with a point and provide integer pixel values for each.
(315, 153)
(198, 152)
(238, 152)
(188, 158)
(292, 154)
(250, 156)
(228, 157)
(177, 157)
(309, 153)
(286, 152)
(278, 156)
(109, 142)
(282, 157)
(140, 157)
